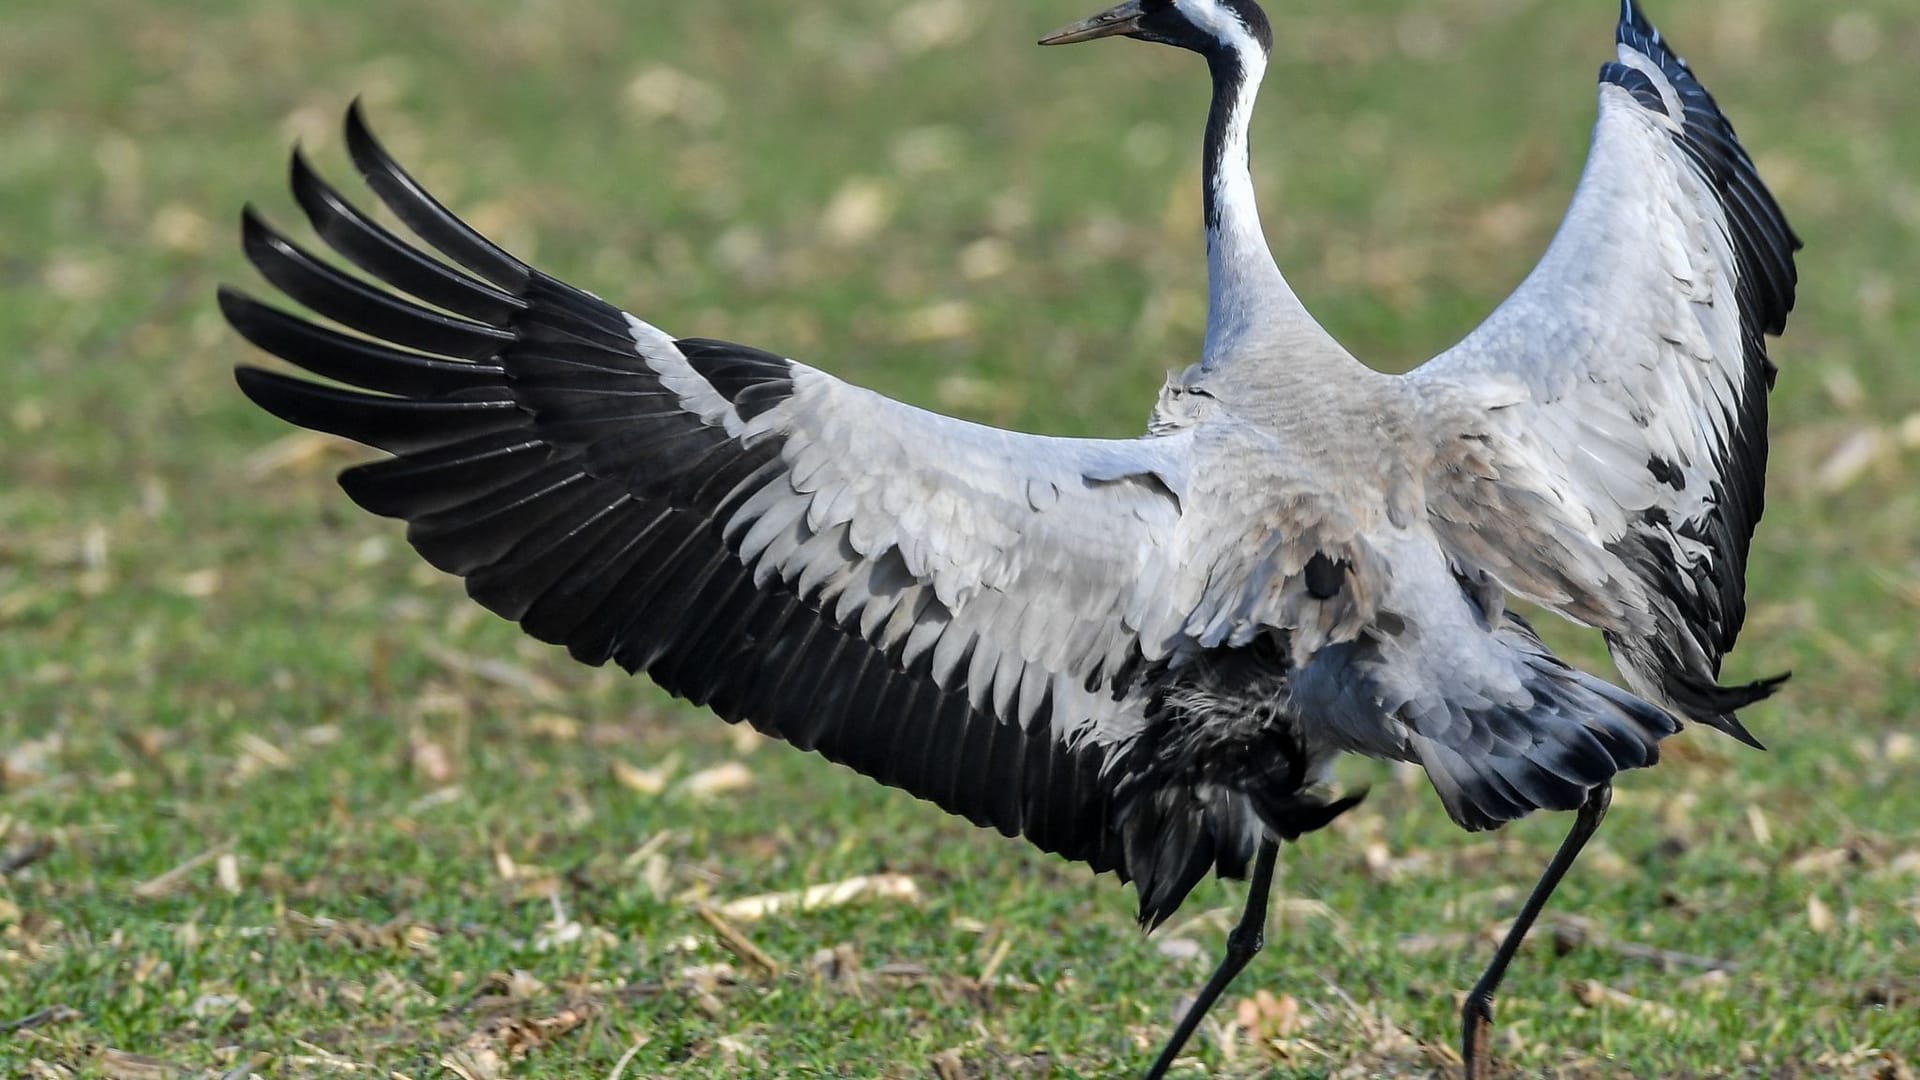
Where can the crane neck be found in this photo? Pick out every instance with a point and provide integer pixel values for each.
(1250, 307)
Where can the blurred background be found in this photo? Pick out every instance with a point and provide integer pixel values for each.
(276, 798)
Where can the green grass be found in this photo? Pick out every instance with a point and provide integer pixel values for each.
(208, 650)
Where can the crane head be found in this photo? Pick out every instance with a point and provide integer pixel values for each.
(1208, 27)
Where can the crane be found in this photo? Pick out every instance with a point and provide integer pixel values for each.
(1142, 654)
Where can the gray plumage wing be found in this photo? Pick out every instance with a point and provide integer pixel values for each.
(1624, 390)
(1038, 565)
(940, 605)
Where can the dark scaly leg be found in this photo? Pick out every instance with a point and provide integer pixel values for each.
(1246, 939)
(1477, 1016)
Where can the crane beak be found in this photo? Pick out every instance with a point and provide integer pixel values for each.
(1120, 19)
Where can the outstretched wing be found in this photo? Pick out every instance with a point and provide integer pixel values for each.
(1631, 374)
(942, 606)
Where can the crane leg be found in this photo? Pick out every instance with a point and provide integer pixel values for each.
(1477, 1015)
(1247, 938)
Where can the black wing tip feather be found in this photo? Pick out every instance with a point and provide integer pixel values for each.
(302, 177)
(252, 319)
(237, 306)
(255, 233)
(297, 401)
(374, 249)
(369, 155)
(426, 215)
(354, 302)
(1297, 819)
(1635, 29)
(258, 384)
(1716, 706)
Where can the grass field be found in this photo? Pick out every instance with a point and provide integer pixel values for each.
(276, 799)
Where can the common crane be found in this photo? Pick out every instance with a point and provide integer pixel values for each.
(1142, 654)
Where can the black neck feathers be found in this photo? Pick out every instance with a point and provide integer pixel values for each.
(1229, 83)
